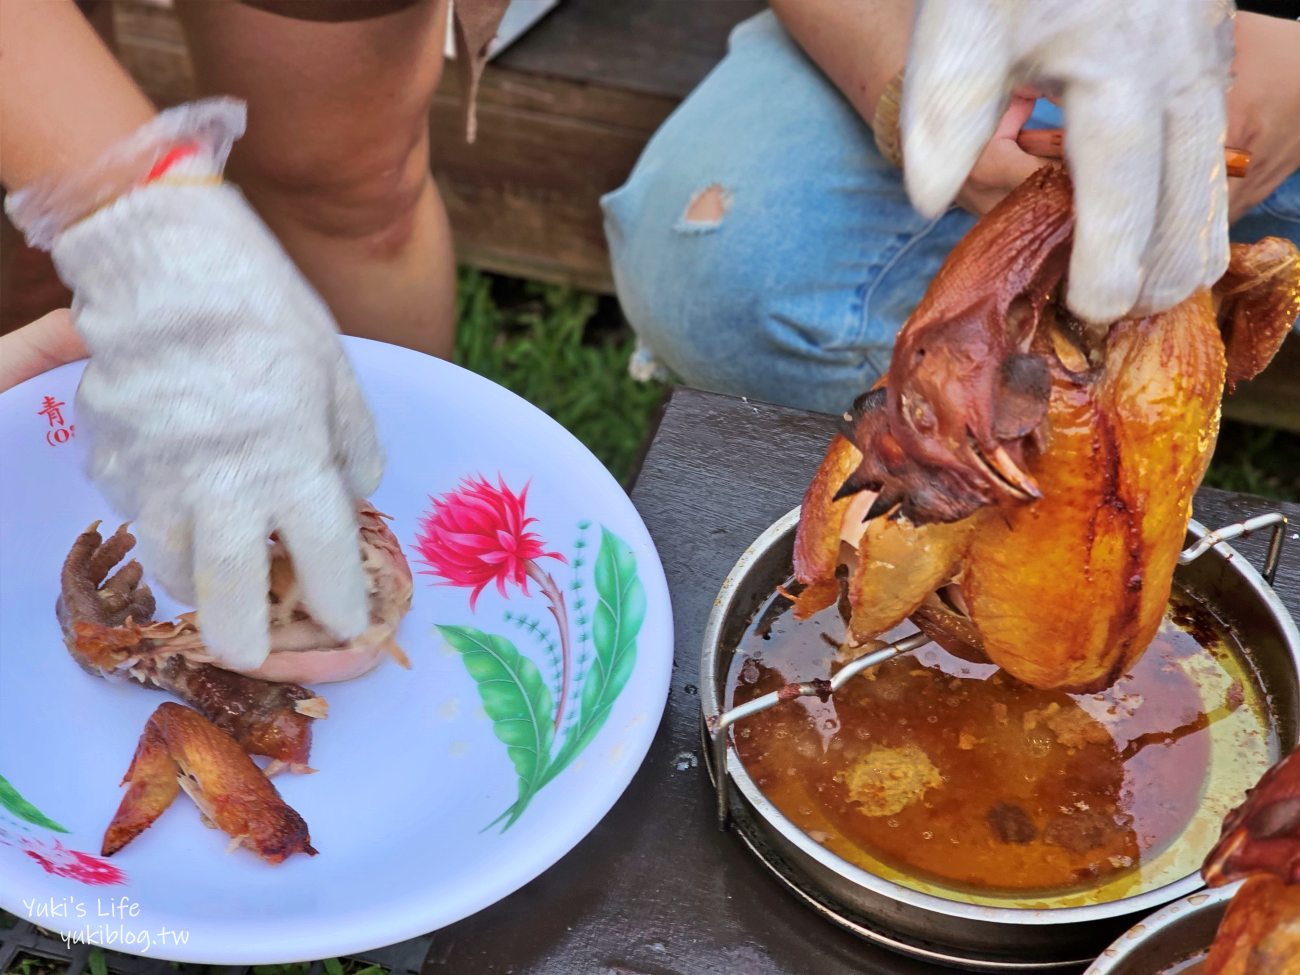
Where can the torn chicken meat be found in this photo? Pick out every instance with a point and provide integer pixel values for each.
(109, 629)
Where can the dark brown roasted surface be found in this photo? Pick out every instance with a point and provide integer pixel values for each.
(109, 629)
(1260, 933)
(182, 750)
(1041, 470)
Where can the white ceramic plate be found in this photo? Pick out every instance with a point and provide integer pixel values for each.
(412, 775)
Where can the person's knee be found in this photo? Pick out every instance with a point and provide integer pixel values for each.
(368, 194)
(738, 326)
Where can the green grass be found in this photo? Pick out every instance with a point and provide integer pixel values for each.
(1256, 460)
(566, 352)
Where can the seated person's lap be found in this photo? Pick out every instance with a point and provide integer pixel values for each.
(763, 247)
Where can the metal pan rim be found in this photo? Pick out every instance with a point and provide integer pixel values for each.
(711, 704)
(1155, 926)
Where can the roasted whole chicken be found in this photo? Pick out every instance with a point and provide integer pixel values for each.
(1019, 484)
(109, 629)
(1260, 844)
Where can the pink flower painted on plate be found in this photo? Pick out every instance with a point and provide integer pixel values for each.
(476, 535)
(59, 860)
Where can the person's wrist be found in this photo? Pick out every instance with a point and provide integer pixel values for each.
(38, 346)
(47, 208)
(183, 164)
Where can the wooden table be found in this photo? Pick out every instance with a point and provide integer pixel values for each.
(656, 889)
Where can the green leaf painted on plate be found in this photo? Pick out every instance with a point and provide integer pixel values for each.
(518, 702)
(20, 807)
(615, 624)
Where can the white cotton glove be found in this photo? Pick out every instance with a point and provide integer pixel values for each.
(1142, 86)
(219, 405)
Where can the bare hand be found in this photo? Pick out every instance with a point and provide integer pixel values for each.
(33, 349)
(1264, 107)
(1002, 165)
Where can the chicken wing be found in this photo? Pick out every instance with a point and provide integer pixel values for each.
(180, 749)
(1260, 933)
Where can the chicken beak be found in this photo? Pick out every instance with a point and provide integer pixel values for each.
(1015, 478)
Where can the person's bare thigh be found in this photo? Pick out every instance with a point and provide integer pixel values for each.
(336, 158)
(337, 110)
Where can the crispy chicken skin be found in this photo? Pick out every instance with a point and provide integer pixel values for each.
(897, 565)
(109, 629)
(1260, 933)
(965, 392)
(1068, 591)
(1258, 301)
(180, 749)
(1045, 469)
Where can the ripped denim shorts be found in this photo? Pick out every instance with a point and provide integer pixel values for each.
(801, 257)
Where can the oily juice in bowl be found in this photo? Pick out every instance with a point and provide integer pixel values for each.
(952, 778)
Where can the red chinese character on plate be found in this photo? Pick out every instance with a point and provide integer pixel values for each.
(52, 410)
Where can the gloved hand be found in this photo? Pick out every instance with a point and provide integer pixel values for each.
(1142, 86)
(218, 401)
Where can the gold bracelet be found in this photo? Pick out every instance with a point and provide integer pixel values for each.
(884, 126)
(161, 181)
(187, 181)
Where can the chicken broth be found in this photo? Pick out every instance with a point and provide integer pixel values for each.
(951, 777)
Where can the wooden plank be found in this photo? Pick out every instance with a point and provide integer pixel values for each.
(152, 47)
(658, 47)
(589, 101)
(661, 48)
(1271, 399)
(524, 199)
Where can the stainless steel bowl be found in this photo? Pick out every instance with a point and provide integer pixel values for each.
(1174, 934)
(975, 937)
